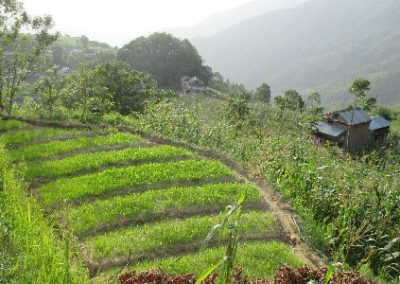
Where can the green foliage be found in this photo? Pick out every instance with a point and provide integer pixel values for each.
(291, 100)
(166, 58)
(237, 110)
(6, 125)
(26, 136)
(314, 104)
(32, 252)
(20, 54)
(230, 231)
(263, 93)
(52, 148)
(169, 234)
(114, 179)
(91, 161)
(83, 91)
(347, 204)
(359, 89)
(130, 89)
(48, 90)
(111, 86)
(156, 202)
(388, 113)
(70, 52)
(254, 257)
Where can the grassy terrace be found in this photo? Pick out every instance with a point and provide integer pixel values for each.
(52, 148)
(66, 189)
(141, 206)
(258, 259)
(24, 136)
(170, 234)
(124, 199)
(87, 161)
(6, 125)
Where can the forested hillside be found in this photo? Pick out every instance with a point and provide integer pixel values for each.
(226, 19)
(317, 46)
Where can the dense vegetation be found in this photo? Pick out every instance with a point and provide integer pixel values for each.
(348, 205)
(317, 46)
(113, 199)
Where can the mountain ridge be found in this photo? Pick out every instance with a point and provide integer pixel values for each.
(320, 45)
(225, 19)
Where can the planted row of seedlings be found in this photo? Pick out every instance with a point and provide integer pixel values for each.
(135, 204)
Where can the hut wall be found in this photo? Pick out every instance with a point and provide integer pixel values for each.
(359, 138)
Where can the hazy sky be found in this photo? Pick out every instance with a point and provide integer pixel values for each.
(119, 21)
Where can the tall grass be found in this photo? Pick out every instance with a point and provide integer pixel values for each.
(6, 125)
(34, 253)
(347, 204)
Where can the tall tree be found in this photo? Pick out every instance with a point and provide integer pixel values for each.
(83, 92)
(166, 58)
(314, 103)
(359, 88)
(130, 89)
(290, 100)
(20, 53)
(294, 99)
(263, 93)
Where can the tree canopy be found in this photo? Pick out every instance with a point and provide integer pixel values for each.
(263, 93)
(359, 88)
(20, 53)
(166, 58)
(290, 100)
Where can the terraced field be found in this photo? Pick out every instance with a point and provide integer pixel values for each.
(136, 204)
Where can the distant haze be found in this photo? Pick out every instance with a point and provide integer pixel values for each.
(224, 20)
(120, 21)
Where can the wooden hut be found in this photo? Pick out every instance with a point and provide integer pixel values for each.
(353, 129)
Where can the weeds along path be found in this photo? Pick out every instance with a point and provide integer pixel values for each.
(132, 200)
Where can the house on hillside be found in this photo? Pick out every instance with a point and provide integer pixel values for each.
(193, 84)
(353, 129)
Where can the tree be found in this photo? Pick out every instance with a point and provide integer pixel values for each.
(21, 54)
(130, 89)
(84, 92)
(359, 89)
(314, 103)
(263, 93)
(166, 58)
(48, 90)
(84, 41)
(290, 100)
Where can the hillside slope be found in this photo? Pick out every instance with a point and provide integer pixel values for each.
(226, 19)
(319, 46)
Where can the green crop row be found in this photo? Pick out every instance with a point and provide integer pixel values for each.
(30, 252)
(114, 179)
(49, 149)
(76, 163)
(152, 202)
(258, 259)
(24, 136)
(10, 124)
(169, 234)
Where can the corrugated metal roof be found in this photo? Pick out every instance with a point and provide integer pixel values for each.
(329, 129)
(354, 116)
(378, 122)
